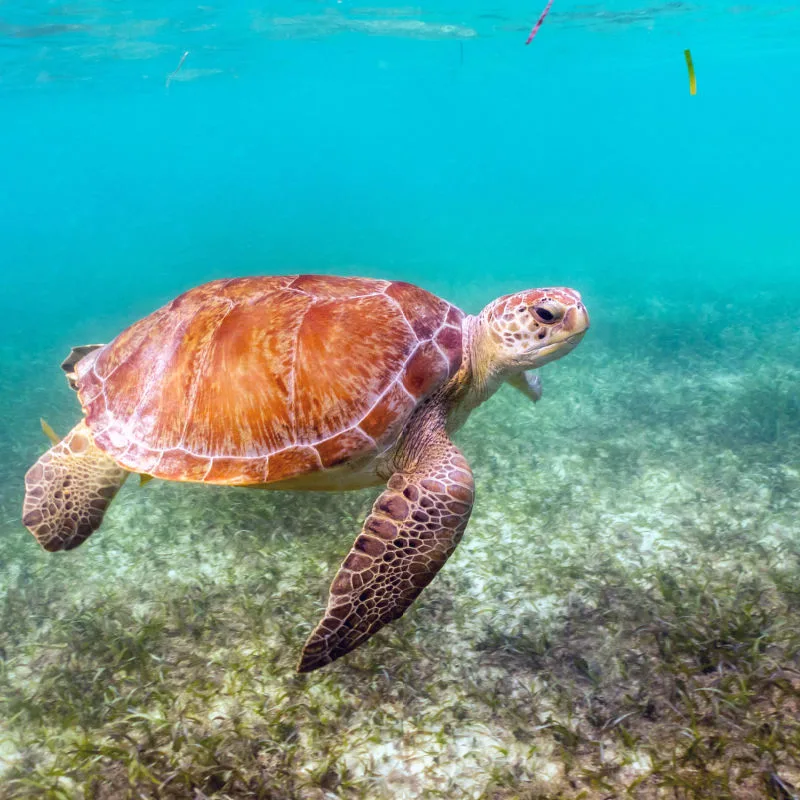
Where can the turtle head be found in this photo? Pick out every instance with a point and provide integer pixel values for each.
(528, 329)
(523, 331)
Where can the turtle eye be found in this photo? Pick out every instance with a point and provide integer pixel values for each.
(549, 313)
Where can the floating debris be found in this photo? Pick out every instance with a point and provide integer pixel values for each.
(539, 22)
(172, 74)
(49, 432)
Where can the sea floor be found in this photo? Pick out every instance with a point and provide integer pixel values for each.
(621, 618)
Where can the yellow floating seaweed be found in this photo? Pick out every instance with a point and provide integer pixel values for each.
(690, 66)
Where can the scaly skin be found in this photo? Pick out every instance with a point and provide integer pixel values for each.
(68, 490)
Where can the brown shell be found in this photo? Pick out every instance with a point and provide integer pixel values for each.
(257, 380)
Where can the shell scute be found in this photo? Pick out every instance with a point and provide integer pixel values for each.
(237, 400)
(449, 341)
(385, 421)
(323, 288)
(423, 311)
(346, 445)
(425, 371)
(237, 471)
(345, 352)
(145, 458)
(292, 462)
(187, 466)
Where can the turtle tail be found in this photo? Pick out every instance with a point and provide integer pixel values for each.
(68, 490)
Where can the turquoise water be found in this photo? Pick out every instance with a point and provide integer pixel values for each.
(428, 144)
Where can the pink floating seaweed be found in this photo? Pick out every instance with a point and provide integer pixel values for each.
(539, 22)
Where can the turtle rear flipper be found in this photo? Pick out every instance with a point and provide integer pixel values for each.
(68, 490)
(75, 355)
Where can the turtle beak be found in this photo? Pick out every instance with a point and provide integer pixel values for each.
(577, 318)
(553, 350)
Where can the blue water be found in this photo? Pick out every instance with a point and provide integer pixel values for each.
(581, 158)
(425, 143)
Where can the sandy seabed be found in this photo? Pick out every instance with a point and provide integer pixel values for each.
(619, 620)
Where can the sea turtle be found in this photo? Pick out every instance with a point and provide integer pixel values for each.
(304, 382)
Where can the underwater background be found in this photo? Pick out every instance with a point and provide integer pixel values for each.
(621, 618)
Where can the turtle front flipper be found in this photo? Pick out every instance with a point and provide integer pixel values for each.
(68, 490)
(528, 382)
(414, 527)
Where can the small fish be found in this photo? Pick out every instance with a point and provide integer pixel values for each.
(177, 69)
(690, 66)
(49, 432)
(539, 22)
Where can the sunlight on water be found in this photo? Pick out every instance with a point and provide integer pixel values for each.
(97, 42)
